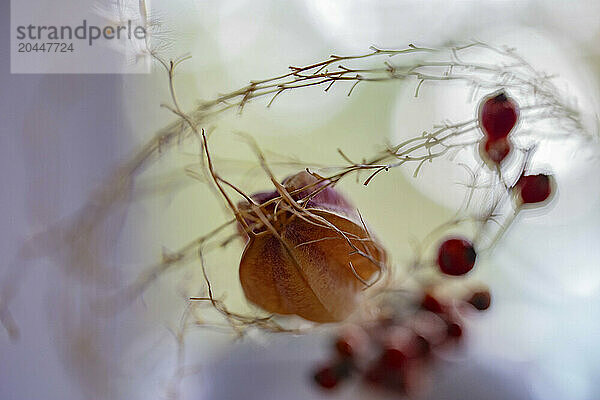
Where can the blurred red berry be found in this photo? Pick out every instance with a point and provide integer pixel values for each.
(331, 375)
(351, 342)
(534, 188)
(326, 377)
(454, 330)
(393, 358)
(384, 375)
(481, 300)
(420, 346)
(344, 347)
(456, 256)
(376, 374)
(430, 303)
(498, 115)
(495, 151)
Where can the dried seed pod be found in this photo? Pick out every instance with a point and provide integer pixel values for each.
(314, 256)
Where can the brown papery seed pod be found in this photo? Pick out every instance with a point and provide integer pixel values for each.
(310, 253)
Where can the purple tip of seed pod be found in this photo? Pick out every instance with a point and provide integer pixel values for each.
(322, 194)
(260, 198)
(263, 197)
(322, 197)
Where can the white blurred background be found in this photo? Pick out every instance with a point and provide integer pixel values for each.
(62, 134)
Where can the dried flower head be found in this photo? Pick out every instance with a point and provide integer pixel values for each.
(312, 263)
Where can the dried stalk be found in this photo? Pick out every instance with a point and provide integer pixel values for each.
(514, 73)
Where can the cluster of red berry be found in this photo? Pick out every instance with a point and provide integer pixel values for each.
(393, 353)
(498, 116)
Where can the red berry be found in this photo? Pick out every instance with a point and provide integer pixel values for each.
(454, 330)
(331, 375)
(327, 378)
(495, 150)
(498, 115)
(481, 300)
(393, 358)
(430, 303)
(352, 341)
(456, 256)
(534, 188)
(420, 347)
(343, 347)
(388, 370)
(376, 374)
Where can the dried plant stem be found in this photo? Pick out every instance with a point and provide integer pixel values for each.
(512, 73)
